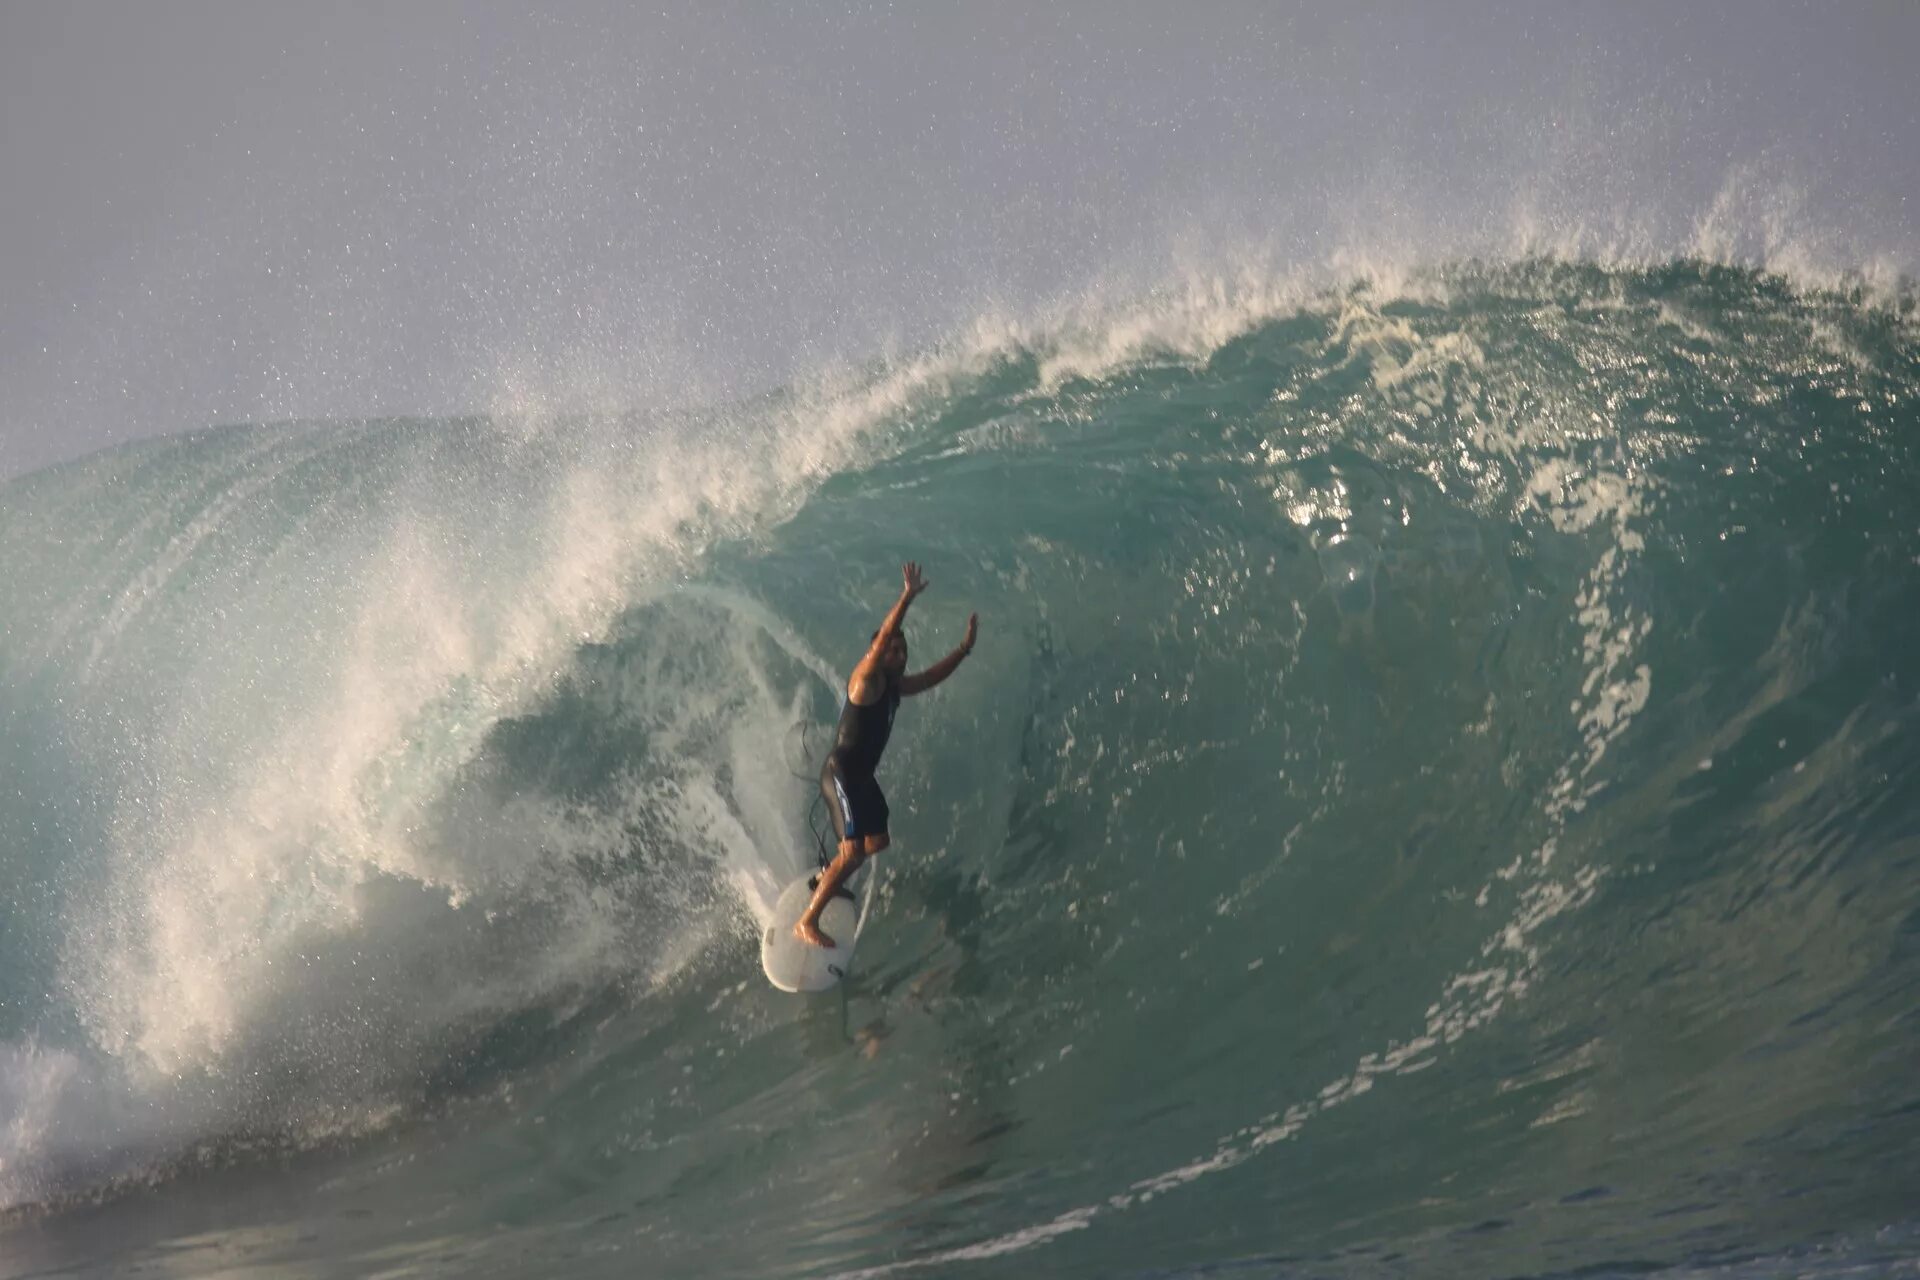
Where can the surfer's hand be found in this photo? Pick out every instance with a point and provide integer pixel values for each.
(973, 629)
(914, 581)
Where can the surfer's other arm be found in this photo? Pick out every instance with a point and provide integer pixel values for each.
(869, 679)
(921, 681)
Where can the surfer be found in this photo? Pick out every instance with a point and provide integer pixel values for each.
(853, 796)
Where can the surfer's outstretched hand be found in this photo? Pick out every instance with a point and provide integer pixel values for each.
(914, 581)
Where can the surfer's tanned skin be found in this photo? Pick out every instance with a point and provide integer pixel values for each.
(873, 691)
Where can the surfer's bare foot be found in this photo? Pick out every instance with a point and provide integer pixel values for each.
(810, 934)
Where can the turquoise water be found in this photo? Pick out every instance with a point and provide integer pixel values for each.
(1435, 795)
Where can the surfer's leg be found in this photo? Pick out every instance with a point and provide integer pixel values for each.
(875, 818)
(851, 856)
(841, 810)
(846, 823)
(860, 813)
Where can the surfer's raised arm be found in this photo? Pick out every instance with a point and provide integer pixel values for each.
(921, 681)
(870, 677)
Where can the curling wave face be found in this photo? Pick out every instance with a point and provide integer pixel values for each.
(1436, 778)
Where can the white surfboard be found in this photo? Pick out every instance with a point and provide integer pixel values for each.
(793, 965)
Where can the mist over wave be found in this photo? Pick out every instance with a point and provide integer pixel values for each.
(1436, 775)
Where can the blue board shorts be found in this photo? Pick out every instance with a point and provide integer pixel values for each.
(858, 806)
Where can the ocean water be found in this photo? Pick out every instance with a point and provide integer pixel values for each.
(1435, 795)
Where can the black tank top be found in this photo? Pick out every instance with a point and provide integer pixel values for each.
(863, 732)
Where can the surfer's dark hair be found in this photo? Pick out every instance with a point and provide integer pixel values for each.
(899, 631)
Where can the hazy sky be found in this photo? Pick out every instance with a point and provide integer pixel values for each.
(222, 212)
